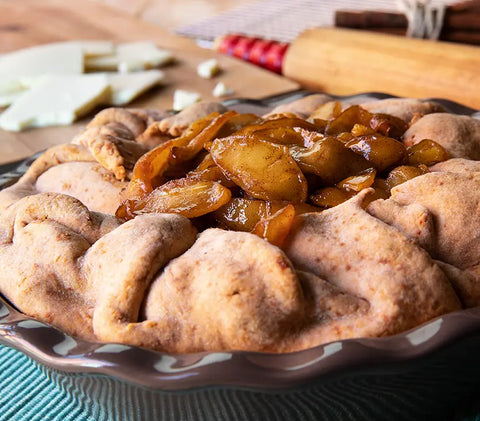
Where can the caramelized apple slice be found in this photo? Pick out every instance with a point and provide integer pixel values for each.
(238, 122)
(283, 122)
(187, 197)
(149, 169)
(358, 182)
(404, 173)
(383, 152)
(189, 151)
(345, 137)
(361, 130)
(329, 159)
(241, 214)
(289, 136)
(329, 197)
(388, 125)
(426, 152)
(320, 124)
(263, 169)
(382, 189)
(275, 228)
(207, 170)
(280, 136)
(347, 119)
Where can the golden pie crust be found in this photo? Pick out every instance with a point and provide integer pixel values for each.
(361, 269)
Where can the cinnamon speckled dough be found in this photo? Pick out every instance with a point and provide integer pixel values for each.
(302, 107)
(404, 108)
(96, 187)
(68, 169)
(453, 199)
(133, 122)
(332, 314)
(42, 240)
(459, 165)
(113, 145)
(371, 260)
(82, 271)
(458, 134)
(326, 303)
(450, 231)
(176, 124)
(56, 155)
(149, 116)
(119, 268)
(465, 282)
(231, 290)
(413, 219)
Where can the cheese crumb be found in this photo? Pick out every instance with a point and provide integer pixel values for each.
(208, 69)
(183, 99)
(221, 90)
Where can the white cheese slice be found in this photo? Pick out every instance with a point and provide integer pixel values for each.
(63, 58)
(57, 100)
(221, 90)
(7, 99)
(183, 99)
(25, 66)
(141, 55)
(208, 69)
(101, 63)
(10, 85)
(129, 57)
(126, 87)
(94, 48)
(91, 48)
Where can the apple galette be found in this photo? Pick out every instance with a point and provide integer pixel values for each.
(211, 230)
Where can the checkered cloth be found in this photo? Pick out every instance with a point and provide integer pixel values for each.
(281, 20)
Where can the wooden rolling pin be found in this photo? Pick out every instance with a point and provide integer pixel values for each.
(345, 61)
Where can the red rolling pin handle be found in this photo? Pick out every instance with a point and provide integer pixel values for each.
(264, 53)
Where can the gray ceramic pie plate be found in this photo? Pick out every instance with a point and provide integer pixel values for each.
(425, 373)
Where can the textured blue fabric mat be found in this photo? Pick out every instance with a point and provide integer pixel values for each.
(26, 393)
(30, 393)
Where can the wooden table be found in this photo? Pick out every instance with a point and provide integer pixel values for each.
(31, 22)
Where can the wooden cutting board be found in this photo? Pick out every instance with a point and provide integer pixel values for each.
(346, 62)
(30, 22)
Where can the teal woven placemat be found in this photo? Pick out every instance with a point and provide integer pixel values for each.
(30, 393)
(27, 394)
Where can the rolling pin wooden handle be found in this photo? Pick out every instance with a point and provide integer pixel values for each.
(345, 62)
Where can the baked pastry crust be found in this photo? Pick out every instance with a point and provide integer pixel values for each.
(362, 268)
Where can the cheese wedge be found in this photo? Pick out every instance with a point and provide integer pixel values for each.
(130, 57)
(56, 100)
(220, 90)
(26, 65)
(183, 99)
(126, 87)
(208, 69)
